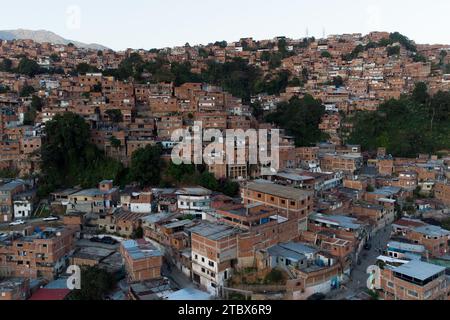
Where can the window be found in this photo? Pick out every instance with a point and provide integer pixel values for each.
(259, 195)
(293, 203)
(413, 294)
(211, 263)
(390, 284)
(203, 270)
(203, 259)
(196, 257)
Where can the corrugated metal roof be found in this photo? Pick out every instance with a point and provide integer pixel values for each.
(419, 270)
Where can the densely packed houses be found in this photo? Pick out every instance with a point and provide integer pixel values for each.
(297, 233)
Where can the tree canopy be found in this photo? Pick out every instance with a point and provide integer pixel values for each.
(300, 118)
(408, 126)
(146, 166)
(95, 284)
(69, 158)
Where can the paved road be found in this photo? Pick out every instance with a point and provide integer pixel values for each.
(31, 222)
(359, 276)
(177, 277)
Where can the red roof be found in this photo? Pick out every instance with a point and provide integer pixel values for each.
(50, 294)
(410, 223)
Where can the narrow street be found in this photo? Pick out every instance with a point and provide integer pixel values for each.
(177, 277)
(358, 275)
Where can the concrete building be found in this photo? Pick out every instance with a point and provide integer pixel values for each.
(142, 260)
(214, 253)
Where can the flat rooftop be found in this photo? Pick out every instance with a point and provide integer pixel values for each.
(139, 250)
(419, 270)
(188, 294)
(278, 190)
(11, 185)
(342, 221)
(432, 231)
(213, 231)
(407, 247)
(195, 191)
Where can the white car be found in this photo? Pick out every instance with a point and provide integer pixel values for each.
(51, 218)
(17, 223)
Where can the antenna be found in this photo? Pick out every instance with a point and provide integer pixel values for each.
(323, 33)
(307, 32)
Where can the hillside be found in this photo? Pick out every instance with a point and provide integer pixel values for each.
(42, 36)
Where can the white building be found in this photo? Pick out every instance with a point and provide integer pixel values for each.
(194, 200)
(214, 247)
(23, 209)
(24, 204)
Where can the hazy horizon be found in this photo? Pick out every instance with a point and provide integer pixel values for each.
(158, 23)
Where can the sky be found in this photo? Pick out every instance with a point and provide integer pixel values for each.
(147, 24)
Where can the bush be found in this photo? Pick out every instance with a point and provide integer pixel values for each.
(274, 277)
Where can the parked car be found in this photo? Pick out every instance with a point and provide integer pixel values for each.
(95, 239)
(51, 218)
(109, 240)
(17, 223)
(317, 296)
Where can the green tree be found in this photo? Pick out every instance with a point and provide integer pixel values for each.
(265, 56)
(221, 44)
(69, 158)
(300, 118)
(9, 173)
(182, 74)
(274, 277)
(97, 87)
(4, 89)
(338, 81)
(115, 115)
(202, 52)
(84, 68)
(138, 233)
(393, 50)
(236, 76)
(208, 181)
(36, 103)
(55, 57)
(30, 115)
(28, 67)
(146, 166)
(406, 127)
(27, 91)
(229, 188)
(420, 92)
(257, 110)
(325, 54)
(96, 283)
(181, 172)
(115, 143)
(275, 61)
(6, 65)
(403, 40)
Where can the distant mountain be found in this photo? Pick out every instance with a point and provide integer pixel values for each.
(42, 36)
